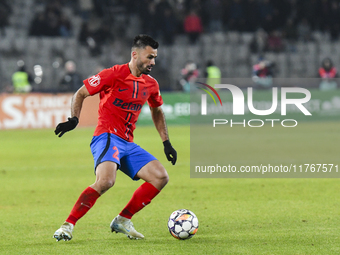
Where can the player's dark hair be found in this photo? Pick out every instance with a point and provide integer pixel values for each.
(141, 41)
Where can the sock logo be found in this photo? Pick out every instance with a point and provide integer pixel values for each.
(86, 205)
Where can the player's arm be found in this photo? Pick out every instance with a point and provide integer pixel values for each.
(76, 105)
(160, 124)
(77, 101)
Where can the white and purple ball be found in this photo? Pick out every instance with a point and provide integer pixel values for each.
(183, 224)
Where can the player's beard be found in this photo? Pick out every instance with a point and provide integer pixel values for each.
(143, 69)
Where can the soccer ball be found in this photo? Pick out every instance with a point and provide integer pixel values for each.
(183, 224)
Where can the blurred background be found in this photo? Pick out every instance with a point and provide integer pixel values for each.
(59, 43)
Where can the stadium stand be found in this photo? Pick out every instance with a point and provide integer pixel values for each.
(105, 45)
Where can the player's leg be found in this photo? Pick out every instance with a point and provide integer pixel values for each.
(155, 174)
(139, 164)
(105, 178)
(155, 177)
(105, 149)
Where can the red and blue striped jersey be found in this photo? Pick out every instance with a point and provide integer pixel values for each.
(122, 96)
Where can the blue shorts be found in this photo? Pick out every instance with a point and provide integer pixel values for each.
(129, 156)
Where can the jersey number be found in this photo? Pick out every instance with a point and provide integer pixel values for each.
(115, 155)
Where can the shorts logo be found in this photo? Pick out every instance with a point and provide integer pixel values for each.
(94, 80)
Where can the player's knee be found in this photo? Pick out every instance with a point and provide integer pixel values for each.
(106, 184)
(109, 183)
(163, 178)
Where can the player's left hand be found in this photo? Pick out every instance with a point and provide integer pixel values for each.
(170, 152)
(64, 127)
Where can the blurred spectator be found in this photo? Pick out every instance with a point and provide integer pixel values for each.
(94, 39)
(290, 35)
(55, 7)
(84, 33)
(259, 42)
(160, 11)
(324, 13)
(281, 13)
(334, 20)
(310, 10)
(290, 31)
(296, 12)
(101, 7)
(103, 34)
(263, 73)
(21, 79)
(212, 74)
(328, 75)
(71, 81)
(169, 28)
(65, 27)
(51, 22)
(5, 11)
(189, 75)
(266, 15)
(252, 15)
(274, 42)
(304, 31)
(194, 5)
(86, 7)
(147, 16)
(237, 19)
(214, 14)
(38, 25)
(193, 26)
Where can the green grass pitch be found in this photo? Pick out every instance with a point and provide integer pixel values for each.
(41, 176)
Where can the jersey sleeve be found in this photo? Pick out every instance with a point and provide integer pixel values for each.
(100, 81)
(155, 98)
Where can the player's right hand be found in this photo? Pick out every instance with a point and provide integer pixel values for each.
(170, 152)
(64, 127)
